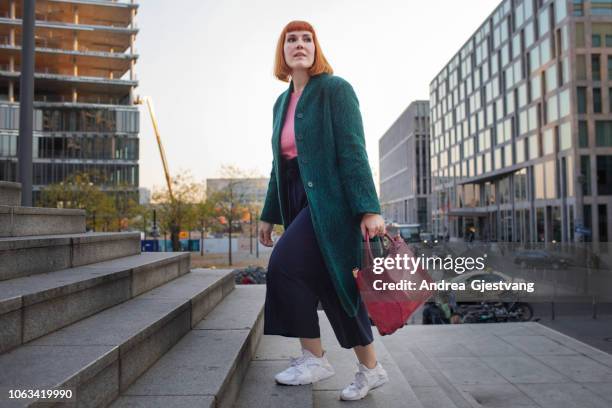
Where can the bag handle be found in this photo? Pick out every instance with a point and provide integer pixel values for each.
(369, 250)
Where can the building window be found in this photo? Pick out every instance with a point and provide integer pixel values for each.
(520, 151)
(581, 90)
(595, 67)
(597, 100)
(585, 171)
(569, 178)
(551, 78)
(588, 220)
(564, 103)
(604, 175)
(529, 37)
(534, 59)
(543, 22)
(583, 133)
(540, 224)
(601, 7)
(609, 67)
(539, 181)
(603, 133)
(596, 40)
(560, 10)
(545, 53)
(520, 185)
(579, 34)
(581, 67)
(551, 178)
(565, 136)
(603, 222)
(534, 152)
(578, 8)
(548, 146)
(552, 109)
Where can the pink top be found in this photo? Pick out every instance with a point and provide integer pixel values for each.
(288, 149)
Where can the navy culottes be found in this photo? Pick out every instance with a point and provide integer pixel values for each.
(297, 279)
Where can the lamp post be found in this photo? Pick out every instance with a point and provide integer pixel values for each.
(251, 231)
(26, 102)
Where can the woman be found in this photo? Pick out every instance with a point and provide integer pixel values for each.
(321, 190)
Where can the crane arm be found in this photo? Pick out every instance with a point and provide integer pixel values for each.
(162, 153)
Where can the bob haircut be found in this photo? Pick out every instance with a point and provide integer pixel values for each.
(282, 70)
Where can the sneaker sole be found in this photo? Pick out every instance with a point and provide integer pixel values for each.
(306, 383)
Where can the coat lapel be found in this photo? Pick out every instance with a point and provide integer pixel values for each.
(284, 103)
(278, 125)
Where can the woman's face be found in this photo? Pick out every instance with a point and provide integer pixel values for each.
(299, 49)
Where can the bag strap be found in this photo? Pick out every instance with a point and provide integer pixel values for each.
(369, 249)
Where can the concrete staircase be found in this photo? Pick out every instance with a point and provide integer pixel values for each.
(88, 312)
(272, 356)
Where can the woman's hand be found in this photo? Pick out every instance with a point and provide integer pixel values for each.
(265, 233)
(374, 224)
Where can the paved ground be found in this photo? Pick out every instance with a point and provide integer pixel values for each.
(500, 366)
(240, 259)
(504, 365)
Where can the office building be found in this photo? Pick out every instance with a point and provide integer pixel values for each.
(521, 143)
(405, 184)
(247, 191)
(85, 120)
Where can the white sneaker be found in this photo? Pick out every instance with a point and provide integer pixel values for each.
(366, 379)
(307, 369)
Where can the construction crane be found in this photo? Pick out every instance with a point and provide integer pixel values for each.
(141, 100)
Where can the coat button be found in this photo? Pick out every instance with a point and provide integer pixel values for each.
(310, 184)
(299, 115)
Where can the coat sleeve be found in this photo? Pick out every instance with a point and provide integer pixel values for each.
(271, 209)
(353, 165)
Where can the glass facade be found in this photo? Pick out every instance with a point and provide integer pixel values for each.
(530, 96)
(84, 117)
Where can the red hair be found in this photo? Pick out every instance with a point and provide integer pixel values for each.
(282, 70)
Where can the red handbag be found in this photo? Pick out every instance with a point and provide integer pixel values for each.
(391, 305)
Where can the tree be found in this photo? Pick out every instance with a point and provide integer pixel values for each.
(231, 200)
(79, 191)
(178, 211)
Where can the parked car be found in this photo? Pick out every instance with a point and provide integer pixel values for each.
(428, 239)
(537, 258)
(410, 233)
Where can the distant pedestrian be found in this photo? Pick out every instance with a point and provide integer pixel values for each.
(321, 190)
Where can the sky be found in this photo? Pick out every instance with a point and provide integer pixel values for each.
(207, 65)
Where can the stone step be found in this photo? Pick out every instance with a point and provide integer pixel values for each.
(432, 388)
(10, 193)
(101, 355)
(206, 368)
(28, 221)
(273, 356)
(259, 388)
(36, 305)
(396, 393)
(23, 256)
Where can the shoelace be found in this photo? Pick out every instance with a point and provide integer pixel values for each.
(360, 381)
(296, 361)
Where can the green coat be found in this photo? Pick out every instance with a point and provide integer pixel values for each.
(335, 171)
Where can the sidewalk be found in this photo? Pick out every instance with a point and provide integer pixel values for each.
(503, 365)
